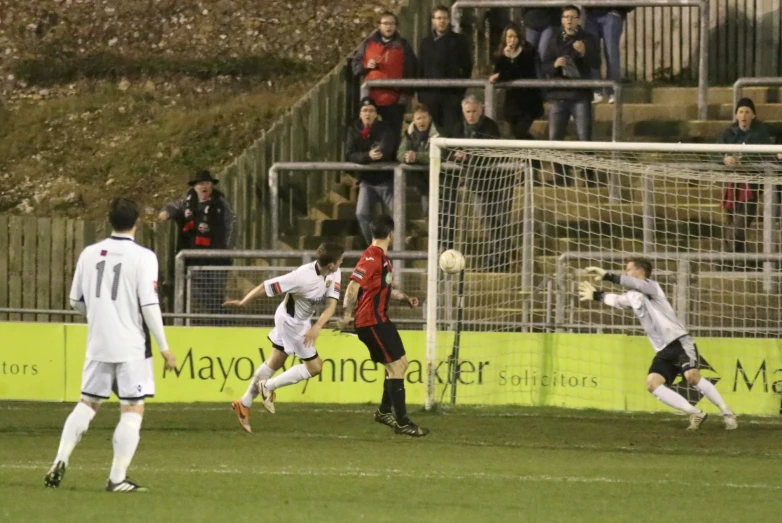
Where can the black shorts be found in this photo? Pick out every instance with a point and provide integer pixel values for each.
(383, 342)
(677, 358)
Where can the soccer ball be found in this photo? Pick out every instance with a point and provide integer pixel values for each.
(451, 261)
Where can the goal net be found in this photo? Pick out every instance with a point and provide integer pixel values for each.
(530, 216)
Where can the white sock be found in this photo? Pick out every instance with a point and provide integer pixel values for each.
(293, 375)
(126, 437)
(264, 372)
(674, 400)
(712, 394)
(75, 426)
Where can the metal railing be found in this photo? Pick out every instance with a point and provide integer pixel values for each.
(683, 273)
(400, 189)
(762, 81)
(489, 91)
(181, 275)
(702, 5)
(769, 203)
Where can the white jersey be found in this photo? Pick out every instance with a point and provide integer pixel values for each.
(304, 288)
(652, 308)
(115, 278)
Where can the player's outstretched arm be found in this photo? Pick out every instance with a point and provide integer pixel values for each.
(587, 292)
(154, 321)
(411, 301)
(647, 287)
(314, 331)
(258, 292)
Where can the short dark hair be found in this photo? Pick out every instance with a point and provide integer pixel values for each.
(123, 214)
(421, 108)
(645, 264)
(328, 252)
(439, 8)
(571, 7)
(384, 14)
(382, 227)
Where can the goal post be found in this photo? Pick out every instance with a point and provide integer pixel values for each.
(529, 216)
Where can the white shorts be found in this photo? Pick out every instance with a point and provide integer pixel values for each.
(130, 380)
(289, 334)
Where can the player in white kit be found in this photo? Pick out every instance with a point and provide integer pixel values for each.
(293, 334)
(675, 351)
(115, 286)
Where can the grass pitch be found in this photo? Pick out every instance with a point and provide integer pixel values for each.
(333, 463)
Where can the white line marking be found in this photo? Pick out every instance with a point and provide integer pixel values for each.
(396, 473)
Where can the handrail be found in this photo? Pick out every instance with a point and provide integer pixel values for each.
(489, 91)
(702, 5)
(760, 81)
(400, 189)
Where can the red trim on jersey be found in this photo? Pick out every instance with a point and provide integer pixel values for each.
(337, 286)
(380, 344)
(276, 289)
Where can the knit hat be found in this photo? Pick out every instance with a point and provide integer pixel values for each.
(367, 101)
(745, 102)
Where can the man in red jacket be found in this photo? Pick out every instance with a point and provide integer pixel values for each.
(385, 55)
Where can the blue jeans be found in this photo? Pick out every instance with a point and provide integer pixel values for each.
(559, 114)
(608, 28)
(539, 40)
(558, 117)
(368, 195)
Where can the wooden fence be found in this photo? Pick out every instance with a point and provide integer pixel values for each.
(38, 257)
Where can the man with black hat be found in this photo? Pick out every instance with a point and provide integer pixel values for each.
(370, 140)
(740, 200)
(205, 221)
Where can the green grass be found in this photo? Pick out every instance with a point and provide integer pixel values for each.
(332, 463)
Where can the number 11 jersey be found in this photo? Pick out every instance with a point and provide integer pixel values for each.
(115, 278)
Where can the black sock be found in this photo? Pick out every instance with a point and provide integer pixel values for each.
(386, 404)
(397, 387)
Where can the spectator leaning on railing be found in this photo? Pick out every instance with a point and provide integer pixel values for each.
(443, 54)
(570, 55)
(740, 200)
(414, 150)
(385, 55)
(516, 59)
(490, 186)
(370, 140)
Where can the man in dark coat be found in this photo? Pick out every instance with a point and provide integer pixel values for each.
(204, 220)
(370, 140)
(443, 54)
(491, 187)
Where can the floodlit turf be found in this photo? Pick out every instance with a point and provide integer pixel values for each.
(333, 463)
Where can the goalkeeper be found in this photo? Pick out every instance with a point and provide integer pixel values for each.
(676, 352)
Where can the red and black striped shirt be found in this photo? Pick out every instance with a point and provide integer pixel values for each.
(374, 274)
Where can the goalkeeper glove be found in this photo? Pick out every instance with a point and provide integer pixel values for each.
(598, 273)
(587, 292)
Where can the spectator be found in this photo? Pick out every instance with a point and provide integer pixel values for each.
(570, 55)
(492, 188)
(205, 221)
(740, 200)
(540, 23)
(515, 60)
(443, 55)
(607, 24)
(385, 55)
(370, 140)
(414, 150)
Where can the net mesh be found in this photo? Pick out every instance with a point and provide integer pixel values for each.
(529, 220)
